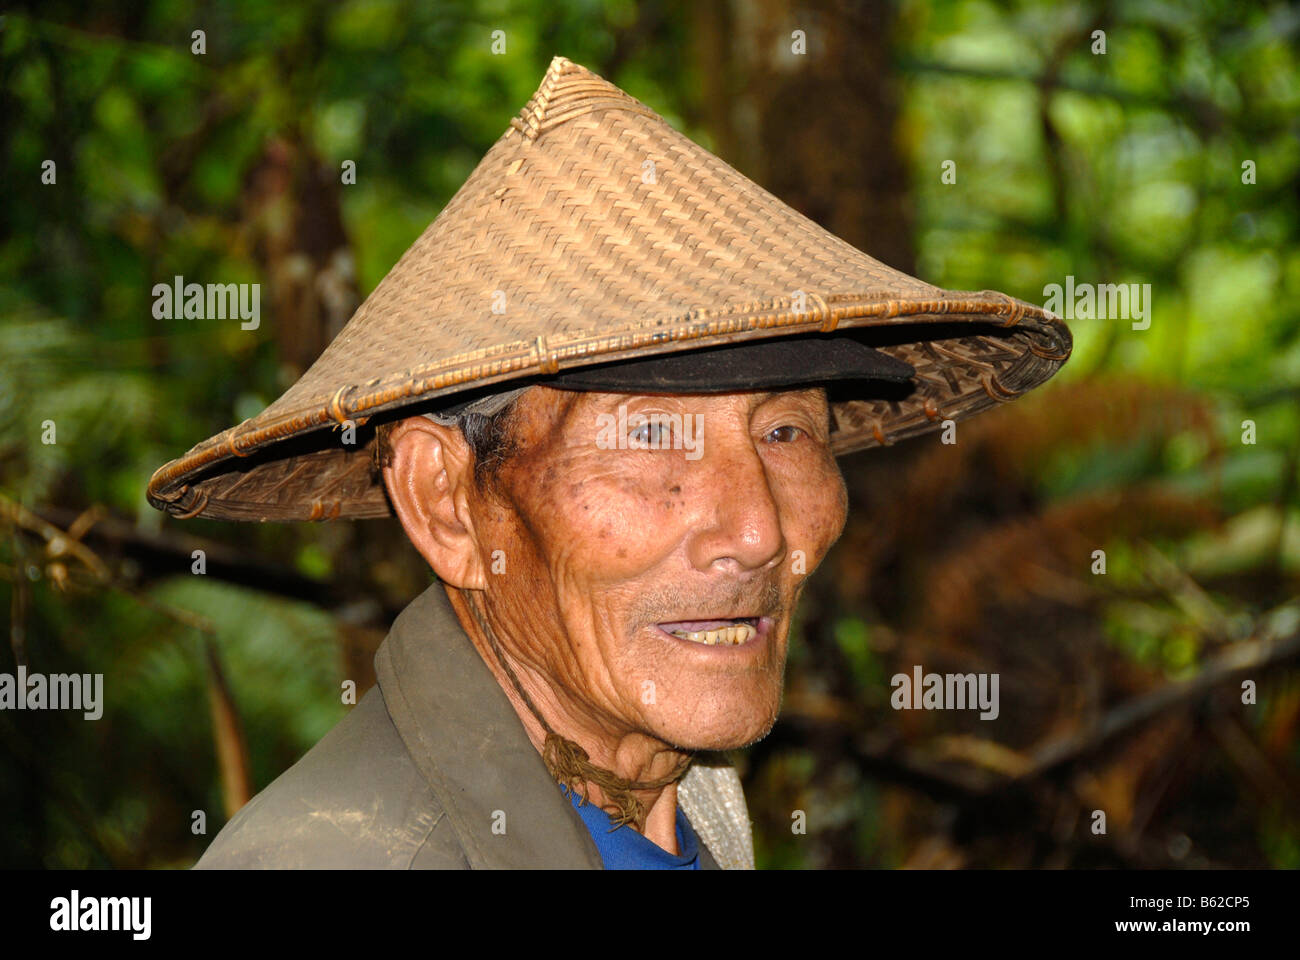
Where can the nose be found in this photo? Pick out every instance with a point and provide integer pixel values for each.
(741, 518)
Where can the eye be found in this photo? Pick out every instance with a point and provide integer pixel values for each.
(652, 434)
(786, 434)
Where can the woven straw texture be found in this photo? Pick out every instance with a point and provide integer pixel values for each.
(593, 231)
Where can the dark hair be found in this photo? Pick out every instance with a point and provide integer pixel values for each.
(490, 438)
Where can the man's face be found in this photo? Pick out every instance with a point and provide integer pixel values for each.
(621, 564)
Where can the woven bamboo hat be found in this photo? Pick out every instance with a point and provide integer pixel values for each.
(592, 232)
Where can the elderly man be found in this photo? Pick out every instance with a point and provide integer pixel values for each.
(603, 393)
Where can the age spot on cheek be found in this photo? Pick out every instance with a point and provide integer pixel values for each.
(673, 491)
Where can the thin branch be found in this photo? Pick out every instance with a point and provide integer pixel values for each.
(910, 767)
(1190, 105)
(168, 552)
(1236, 662)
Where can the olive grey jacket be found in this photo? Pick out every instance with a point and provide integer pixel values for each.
(432, 769)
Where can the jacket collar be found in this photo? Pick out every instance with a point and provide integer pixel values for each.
(468, 742)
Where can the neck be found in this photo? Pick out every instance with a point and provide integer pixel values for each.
(606, 759)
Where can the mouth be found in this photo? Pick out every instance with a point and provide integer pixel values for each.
(730, 632)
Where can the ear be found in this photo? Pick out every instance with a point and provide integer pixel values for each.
(429, 477)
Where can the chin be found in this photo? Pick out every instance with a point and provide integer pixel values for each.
(720, 725)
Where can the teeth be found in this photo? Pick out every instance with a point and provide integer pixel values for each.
(730, 636)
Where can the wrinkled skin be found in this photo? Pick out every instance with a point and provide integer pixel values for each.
(600, 545)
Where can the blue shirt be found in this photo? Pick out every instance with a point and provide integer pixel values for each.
(625, 849)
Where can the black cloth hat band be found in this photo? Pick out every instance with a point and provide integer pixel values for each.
(784, 362)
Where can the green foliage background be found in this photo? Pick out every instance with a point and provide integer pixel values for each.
(1120, 168)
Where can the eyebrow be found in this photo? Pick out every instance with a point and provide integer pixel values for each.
(762, 395)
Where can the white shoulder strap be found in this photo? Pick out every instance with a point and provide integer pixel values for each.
(714, 803)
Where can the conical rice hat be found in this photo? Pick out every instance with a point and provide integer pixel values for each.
(592, 231)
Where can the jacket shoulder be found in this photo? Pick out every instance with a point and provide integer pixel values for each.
(356, 800)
